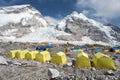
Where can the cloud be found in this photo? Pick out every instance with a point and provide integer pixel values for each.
(107, 9)
(51, 20)
(85, 12)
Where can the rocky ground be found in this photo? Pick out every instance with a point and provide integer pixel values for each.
(13, 69)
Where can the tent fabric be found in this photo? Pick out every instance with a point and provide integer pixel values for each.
(12, 53)
(97, 49)
(82, 60)
(31, 55)
(40, 48)
(21, 54)
(67, 50)
(103, 61)
(59, 58)
(106, 50)
(116, 50)
(43, 56)
(74, 48)
(47, 46)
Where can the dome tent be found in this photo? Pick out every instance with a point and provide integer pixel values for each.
(59, 58)
(82, 60)
(12, 53)
(103, 61)
(43, 56)
(31, 55)
(21, 54)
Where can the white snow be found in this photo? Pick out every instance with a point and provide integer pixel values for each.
(13, 18)
(41, 34)
(16, 6)
(18, 17)
(105, 29)
(42, 21)
(9, 31)
(87, 39)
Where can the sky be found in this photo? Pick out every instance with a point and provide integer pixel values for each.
(105, 11)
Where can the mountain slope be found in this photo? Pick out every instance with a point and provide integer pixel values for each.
(80, 26)
(20, 20)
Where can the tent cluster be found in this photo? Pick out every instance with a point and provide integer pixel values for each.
(43, 56)
(30, 55)
(106, 49)
(99, 60)
(43, 48)
(71, 49)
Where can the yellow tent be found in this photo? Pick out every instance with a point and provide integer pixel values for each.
(43, 56)
(12, 53)
(59, 58)
(103, 61)
(31, 55)
(82, 60)
(21, 54)
(106, 51)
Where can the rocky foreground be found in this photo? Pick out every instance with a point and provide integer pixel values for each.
(14, 69)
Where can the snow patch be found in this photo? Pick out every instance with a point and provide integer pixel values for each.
(9, 31)
(42, 34)
(13, 18)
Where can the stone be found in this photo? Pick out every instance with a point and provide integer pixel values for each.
(69, 64)
(110, 72)
(53, 73)
(93, 69)
(3, 61)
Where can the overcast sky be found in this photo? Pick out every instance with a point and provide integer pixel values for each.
(107, 11)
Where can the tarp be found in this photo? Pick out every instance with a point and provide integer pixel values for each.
(97, 49)
(103, 61)
(31, 55)
(116, 49)
(59, 58)
(74, 48)
(47, 46)
(43, 56)
(40, 48)
(21, 54)
(82, 60)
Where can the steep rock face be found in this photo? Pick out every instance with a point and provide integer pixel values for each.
(79, 26)
(19, 20)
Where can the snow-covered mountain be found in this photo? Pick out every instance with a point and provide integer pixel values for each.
(23, 23)
(83, 28)
(19, 20)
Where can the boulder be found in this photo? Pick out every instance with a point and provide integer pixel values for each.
(53, 73)
(3, 61)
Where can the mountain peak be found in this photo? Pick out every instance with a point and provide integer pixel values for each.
(17, 6)
(19, 20)
(75, 14)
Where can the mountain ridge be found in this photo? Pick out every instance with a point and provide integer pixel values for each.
(21, 22)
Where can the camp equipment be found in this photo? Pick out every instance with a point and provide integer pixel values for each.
(103, 61)
(59, 58)
(97, 49)
(115, 49)
(67, 50)
(106, 50)
(82, 60)
(43, 56)
(31, 55)
(43, 48)
(21, 54)
(12, 53)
